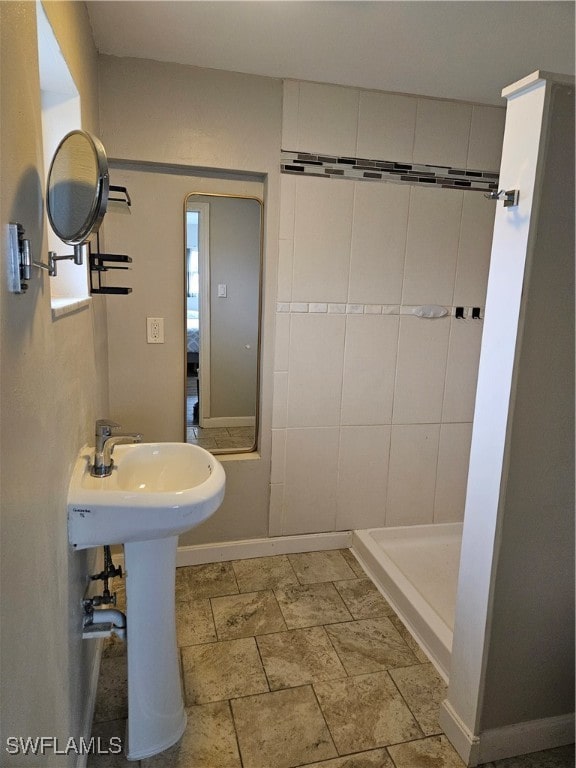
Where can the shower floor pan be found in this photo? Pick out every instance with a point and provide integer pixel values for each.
(416, 568)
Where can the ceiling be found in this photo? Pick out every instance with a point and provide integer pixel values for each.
(465, 50)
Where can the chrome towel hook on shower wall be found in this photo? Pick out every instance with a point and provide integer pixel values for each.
(510, 197)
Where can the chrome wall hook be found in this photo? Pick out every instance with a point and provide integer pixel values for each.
(510, 197)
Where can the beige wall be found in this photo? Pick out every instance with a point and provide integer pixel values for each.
(53, 385)
(193, 120)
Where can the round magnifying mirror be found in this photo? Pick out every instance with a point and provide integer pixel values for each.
(78, 185)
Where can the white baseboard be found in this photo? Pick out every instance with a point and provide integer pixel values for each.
(521, 738)
(509, 741)
(273, 545)
(90, 703)
(463, 741)
(198, 554)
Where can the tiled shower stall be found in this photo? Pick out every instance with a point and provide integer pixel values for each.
(383, 209)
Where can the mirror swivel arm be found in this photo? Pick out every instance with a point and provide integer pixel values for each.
(51, 267)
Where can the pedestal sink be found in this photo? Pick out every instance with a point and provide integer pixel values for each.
(155, 492)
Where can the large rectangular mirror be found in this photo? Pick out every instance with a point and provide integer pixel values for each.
(223, 265)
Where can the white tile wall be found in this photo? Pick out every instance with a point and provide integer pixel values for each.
(311, 480)
(280, 400)
(282, 342)
(315, 370)
(322, 234)
(462, 370)
(290, 101)
(442, 133)
(486, 135)
(421, 370)
(386, 126)
(287, 202)
(335, 120)
(278, 456)
(452, 472)
(276, 509)
(285, 269)
(328, 118)
(373, 406)
(362, 477)
(412, 474)
(475, 244)
(286, 242)
(379, 229)
(432, 245)
(369, 364)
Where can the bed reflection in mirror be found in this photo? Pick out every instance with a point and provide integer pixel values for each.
(223, 294)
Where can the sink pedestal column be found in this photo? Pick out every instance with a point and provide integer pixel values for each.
(156, 716)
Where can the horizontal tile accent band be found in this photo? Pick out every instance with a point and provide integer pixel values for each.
(301, 307)
(360, 169)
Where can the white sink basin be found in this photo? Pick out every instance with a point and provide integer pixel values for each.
(155, 490)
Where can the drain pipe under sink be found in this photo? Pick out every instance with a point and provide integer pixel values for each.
(104, 622)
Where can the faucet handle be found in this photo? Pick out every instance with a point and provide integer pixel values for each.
(104, 427)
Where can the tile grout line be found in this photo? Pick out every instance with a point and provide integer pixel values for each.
(325, 721)
(231, 710)
(332, 643)
(406, 704)
(262, 662)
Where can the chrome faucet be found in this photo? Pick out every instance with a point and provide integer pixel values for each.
(105, 444)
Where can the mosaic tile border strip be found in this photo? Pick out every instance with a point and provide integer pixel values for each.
(360, 169)
(301, 307)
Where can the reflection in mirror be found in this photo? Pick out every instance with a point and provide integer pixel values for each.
(78, 184)
(223, 293)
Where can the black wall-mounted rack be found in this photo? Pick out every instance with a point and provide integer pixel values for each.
(122, 191)
(103, 262)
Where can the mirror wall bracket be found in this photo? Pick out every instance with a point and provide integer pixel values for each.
(19, 259)
(21, 262)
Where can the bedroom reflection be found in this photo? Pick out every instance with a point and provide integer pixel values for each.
(222, 279)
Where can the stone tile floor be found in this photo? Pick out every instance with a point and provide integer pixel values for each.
(223, 438)
(294, 660)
